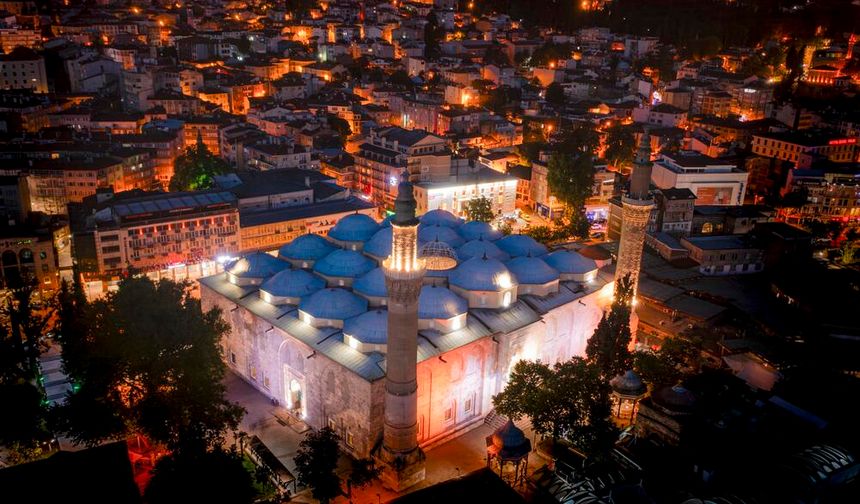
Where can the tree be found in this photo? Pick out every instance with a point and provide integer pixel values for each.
(569, 400)
(197, 168)
(571, 181)
(578, 140)
(363, 473)
(341, 126)
(620, 146)
(432, 33)
(608, 346)
(555, 94)
(211, 476)
(150, 363)
(678, 358)
(480, 209)
(316, 462)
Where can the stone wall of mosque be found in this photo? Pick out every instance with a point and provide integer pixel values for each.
(309, 385)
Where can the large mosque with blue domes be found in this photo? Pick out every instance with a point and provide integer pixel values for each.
(309, 325)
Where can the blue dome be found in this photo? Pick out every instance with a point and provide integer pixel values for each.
(307, 247)
(570, 262)
(474, 230)
(343, 263)
(371, 283)
(482, 274)
(441, 218)
(332, 303)
(440, 303)
(293, 283)
(521, 245)
(379, 244)
(257, 265)
(532, 270)
(479, 247)
(370, 327)
(386, 222)
(435, 231)
(354, 227)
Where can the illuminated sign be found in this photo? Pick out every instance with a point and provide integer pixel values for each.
(843, 141)
(393, 180)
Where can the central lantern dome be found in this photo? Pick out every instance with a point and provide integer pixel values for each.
(438, 256)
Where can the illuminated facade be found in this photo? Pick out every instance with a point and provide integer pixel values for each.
(322, 348)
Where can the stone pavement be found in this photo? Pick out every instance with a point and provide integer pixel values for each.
(454, 458)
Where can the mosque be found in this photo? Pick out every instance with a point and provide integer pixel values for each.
(398, 334)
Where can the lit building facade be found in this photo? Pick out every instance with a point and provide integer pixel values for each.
(499, 188)
(712, 181)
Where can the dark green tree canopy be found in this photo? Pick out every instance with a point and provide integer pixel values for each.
(608, 346)
(212, 476)
(620, 146)
(316, 462)
(196, 168)
(149, 361)
(480, 209)
(555, 94)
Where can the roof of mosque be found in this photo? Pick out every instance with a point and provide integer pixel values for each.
(354, 227)
(441, 218)
(479, 247)
(257, 265)
(482, 274)
(379, 245)
(344, 263)
(440, 303)
(371, 283)
(370, 327)
(292, 283)
(307, 247)
(532, 270)
(334, 304)
(566, 261)
(428, 233)
(520, 245)
(473, 230)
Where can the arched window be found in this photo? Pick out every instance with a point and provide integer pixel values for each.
(707, 228)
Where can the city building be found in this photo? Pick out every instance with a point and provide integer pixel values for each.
(26, 252)
(23, 69)
(802, 148)
(711, 180)
(499, 188)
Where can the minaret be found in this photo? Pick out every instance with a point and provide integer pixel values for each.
(636, 209)
(403, 460)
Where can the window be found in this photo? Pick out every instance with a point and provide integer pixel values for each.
(332, 424)
(449, 413)
(232, 357)
(350, 440)
(467, 405)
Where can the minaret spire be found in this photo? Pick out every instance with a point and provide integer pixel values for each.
(636, 211)
(401, 458)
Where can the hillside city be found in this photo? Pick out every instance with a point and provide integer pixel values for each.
(402, 251)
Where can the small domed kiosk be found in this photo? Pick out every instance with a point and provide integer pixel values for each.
(508, 453)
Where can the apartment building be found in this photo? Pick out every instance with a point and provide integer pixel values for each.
(711, 180)
(803, 149)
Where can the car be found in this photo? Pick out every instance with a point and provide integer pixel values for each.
(597, 236)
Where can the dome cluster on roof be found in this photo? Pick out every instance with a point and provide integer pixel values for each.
(474, 230)
(440, 303)
(307, 247)
(344, 263)
(379, 245)
(479, 248)
(482, 274)
(369, 328)
(254, 268)
(291, 285)
(354, 228)
(333, 304)
(521, 245)
(570, 262)
(532, 270)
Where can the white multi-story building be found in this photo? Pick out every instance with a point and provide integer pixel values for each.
(714, 182)
(23, 69)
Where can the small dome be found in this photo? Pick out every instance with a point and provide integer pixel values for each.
(595, 252)
(440, 303)
(257, 266)
(482, 274)
(354, 228)
(474, 230)
(521, 245)
(441, 233)
(371, 284)
(479, 248)
(307, 247)
(628, 384)
(296, 283)
(441, 218)
(386, 222)
(379, 245)
(438, 255)
(370, 328)
(532, 270)
(334, 304)
(343, 263)
(510, 442)
(675, 399)
(570, 262)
